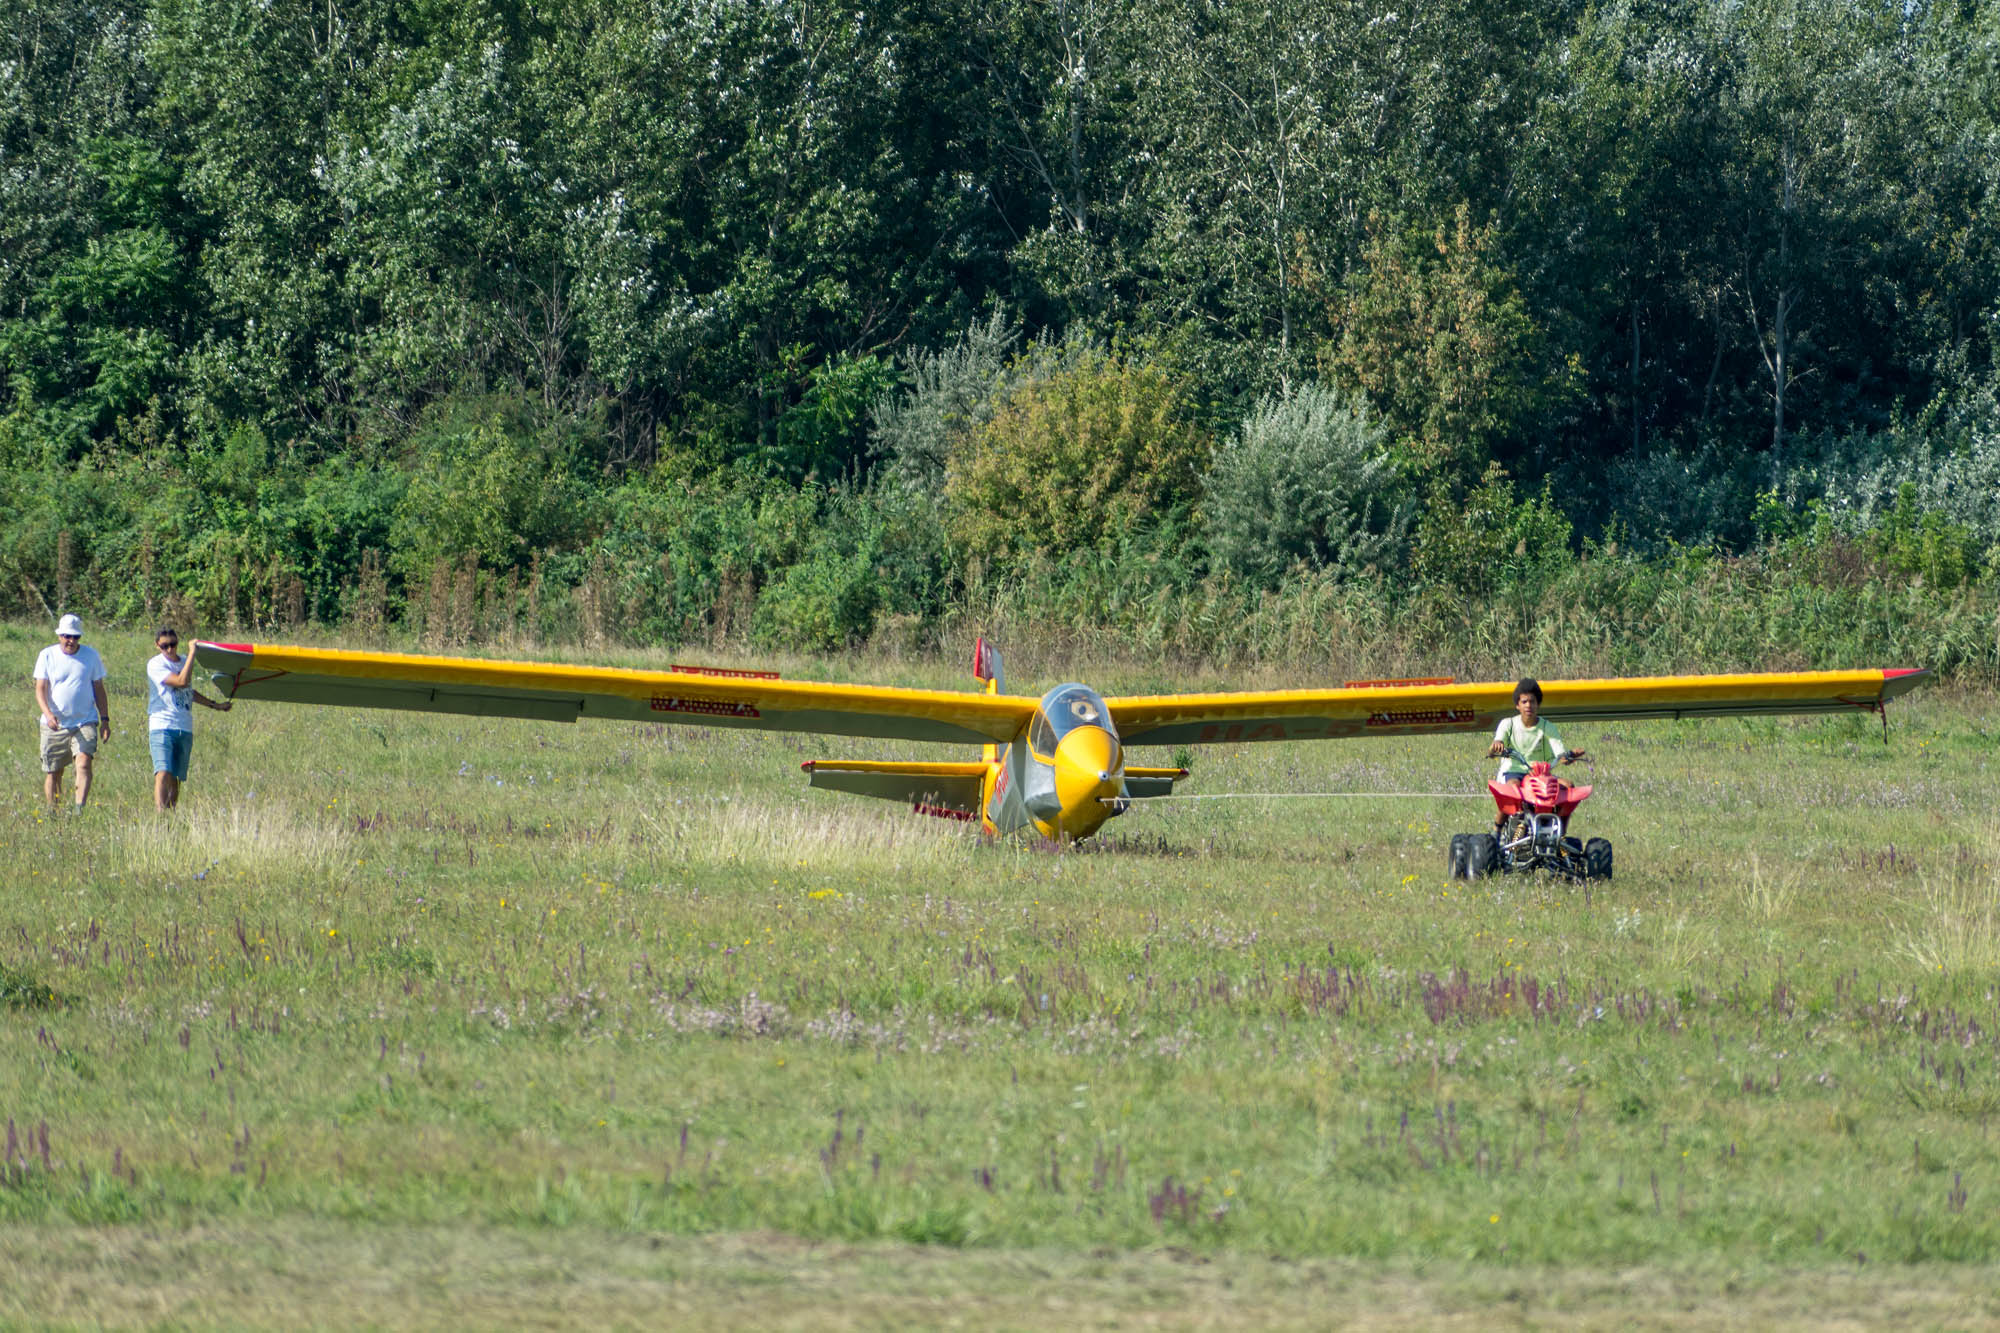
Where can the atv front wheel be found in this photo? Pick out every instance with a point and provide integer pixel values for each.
(1597, 858)
(1455, 859)
(1482, 851)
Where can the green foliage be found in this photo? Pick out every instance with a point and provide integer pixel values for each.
(825, 602)
(1775, 521)
(1469, 548)
(1926, 544)
(1306, 481)
(951, 391)
(1949, 469)
(21, 992)
(99, 341)
(824, 433)
(1073, 458)
(870, 553)
(485, 479)
(1433, 329)
(279, 291)
(688, 557)
(741, 554)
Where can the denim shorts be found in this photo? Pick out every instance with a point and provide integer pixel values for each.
(171, 751)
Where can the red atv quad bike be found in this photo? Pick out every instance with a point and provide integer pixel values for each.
(1534, 815)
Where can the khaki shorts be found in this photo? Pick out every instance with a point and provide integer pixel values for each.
(64, 744)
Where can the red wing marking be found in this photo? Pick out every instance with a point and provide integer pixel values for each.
(728, 673)
(708, 707)
(943, 812)
(1397, 684)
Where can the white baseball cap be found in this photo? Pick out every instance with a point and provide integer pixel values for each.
(69, 625)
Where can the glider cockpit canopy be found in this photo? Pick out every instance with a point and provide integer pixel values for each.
(1062, 710)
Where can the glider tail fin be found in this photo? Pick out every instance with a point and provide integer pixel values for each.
(986, 667)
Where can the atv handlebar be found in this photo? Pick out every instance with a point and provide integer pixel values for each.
(1509, 752)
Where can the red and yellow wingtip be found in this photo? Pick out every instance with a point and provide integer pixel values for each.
(1897, 681)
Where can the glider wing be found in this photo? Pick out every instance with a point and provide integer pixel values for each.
(550, 692)
(1392, 708)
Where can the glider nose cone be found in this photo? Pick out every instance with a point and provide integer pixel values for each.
(1089, 771)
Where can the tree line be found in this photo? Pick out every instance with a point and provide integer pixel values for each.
(799, 318)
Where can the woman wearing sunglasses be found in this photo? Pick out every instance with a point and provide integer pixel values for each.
(170, 696)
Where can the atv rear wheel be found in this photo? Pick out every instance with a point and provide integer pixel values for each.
(1597, 858)
(1482, 851)
(1455, 859)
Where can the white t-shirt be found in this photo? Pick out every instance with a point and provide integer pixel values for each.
(70, 677)
(1539, 742)
(167, 708)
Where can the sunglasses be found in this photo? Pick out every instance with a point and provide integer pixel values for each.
(170, 643)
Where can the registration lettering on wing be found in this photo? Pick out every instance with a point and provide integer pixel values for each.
(727, 673)
(665, 703)
(1420, 717)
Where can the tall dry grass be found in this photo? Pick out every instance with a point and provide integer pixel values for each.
(1953, 917)
(240, 835)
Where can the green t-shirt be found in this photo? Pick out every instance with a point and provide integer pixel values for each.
(1540, 743)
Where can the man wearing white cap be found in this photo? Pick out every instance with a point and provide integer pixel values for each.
(69, 685)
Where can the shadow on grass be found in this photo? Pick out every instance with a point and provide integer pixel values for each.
(18, 991)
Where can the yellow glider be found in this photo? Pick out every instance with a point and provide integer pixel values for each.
(1056, 763)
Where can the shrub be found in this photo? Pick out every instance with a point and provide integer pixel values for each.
(827, 601)
(1492, 539)
(822, 434)
(1432, 326)
(950, 392)
(1073, 458)
(1307, 481)
(1673, 497)
(485, 478)
(874, 551)
(1926, 545)
(1865, 479)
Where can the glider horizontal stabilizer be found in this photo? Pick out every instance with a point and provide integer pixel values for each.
(1141, 783)
(947, 790)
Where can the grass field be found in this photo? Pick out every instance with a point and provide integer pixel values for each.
(408, 1019)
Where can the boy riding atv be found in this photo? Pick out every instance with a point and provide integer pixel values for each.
(1532, 828)
(1530, 736)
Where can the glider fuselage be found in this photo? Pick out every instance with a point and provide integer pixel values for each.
(1064, 774)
